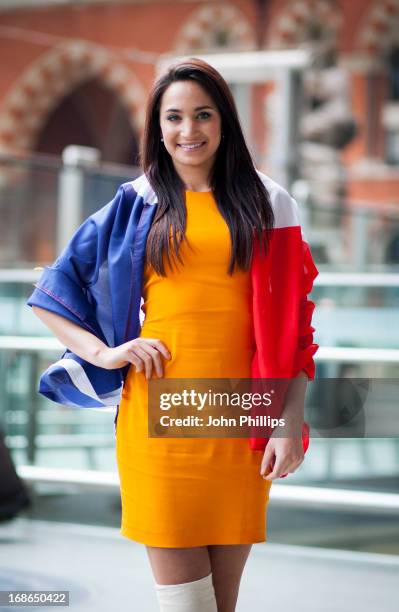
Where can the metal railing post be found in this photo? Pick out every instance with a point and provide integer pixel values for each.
(71, 190)
(32, 407)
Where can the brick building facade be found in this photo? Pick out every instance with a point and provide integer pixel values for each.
(78, 72)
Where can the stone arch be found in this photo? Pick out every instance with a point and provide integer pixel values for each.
(290, 27)
(53, 75)
(380, 28)
(211, 27)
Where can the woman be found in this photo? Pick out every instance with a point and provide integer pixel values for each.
(197, 504)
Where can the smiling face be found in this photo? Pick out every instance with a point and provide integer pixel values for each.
(190, 125)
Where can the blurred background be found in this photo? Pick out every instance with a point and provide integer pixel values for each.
(316, 83)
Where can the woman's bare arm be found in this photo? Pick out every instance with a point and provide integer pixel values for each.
(285, 454)
(81, 342)
(144, 353)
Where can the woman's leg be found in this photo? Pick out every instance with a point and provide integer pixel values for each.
(227, 566)
(172, 566)
(177, 565)
(183, 579)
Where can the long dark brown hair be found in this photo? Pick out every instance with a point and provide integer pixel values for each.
(239, 192)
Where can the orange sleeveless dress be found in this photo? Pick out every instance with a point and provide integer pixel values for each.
(184, 492)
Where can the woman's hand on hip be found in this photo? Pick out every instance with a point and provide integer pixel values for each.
(144, 353)
(281, 456)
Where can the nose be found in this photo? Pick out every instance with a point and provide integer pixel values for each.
(188, 128)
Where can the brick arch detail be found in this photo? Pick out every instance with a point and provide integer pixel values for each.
(197, 32)
(289, 27)
(51, 77)
(380, 28)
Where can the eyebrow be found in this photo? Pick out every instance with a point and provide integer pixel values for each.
(177, 110)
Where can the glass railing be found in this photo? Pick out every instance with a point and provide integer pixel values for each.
(360, 237)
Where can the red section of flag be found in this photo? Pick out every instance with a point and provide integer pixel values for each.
(282, 312)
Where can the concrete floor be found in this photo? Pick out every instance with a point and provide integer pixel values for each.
(106, 572)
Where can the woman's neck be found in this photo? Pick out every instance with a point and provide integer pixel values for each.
(194, 179)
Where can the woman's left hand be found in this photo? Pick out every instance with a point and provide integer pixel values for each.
(281, 456)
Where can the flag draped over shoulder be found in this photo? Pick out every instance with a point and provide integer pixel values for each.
(96, 282)
(282, 311)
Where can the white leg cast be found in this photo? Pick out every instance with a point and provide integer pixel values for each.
(196, 596)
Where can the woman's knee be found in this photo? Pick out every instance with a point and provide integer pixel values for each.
(179, 565)
(228, 560)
